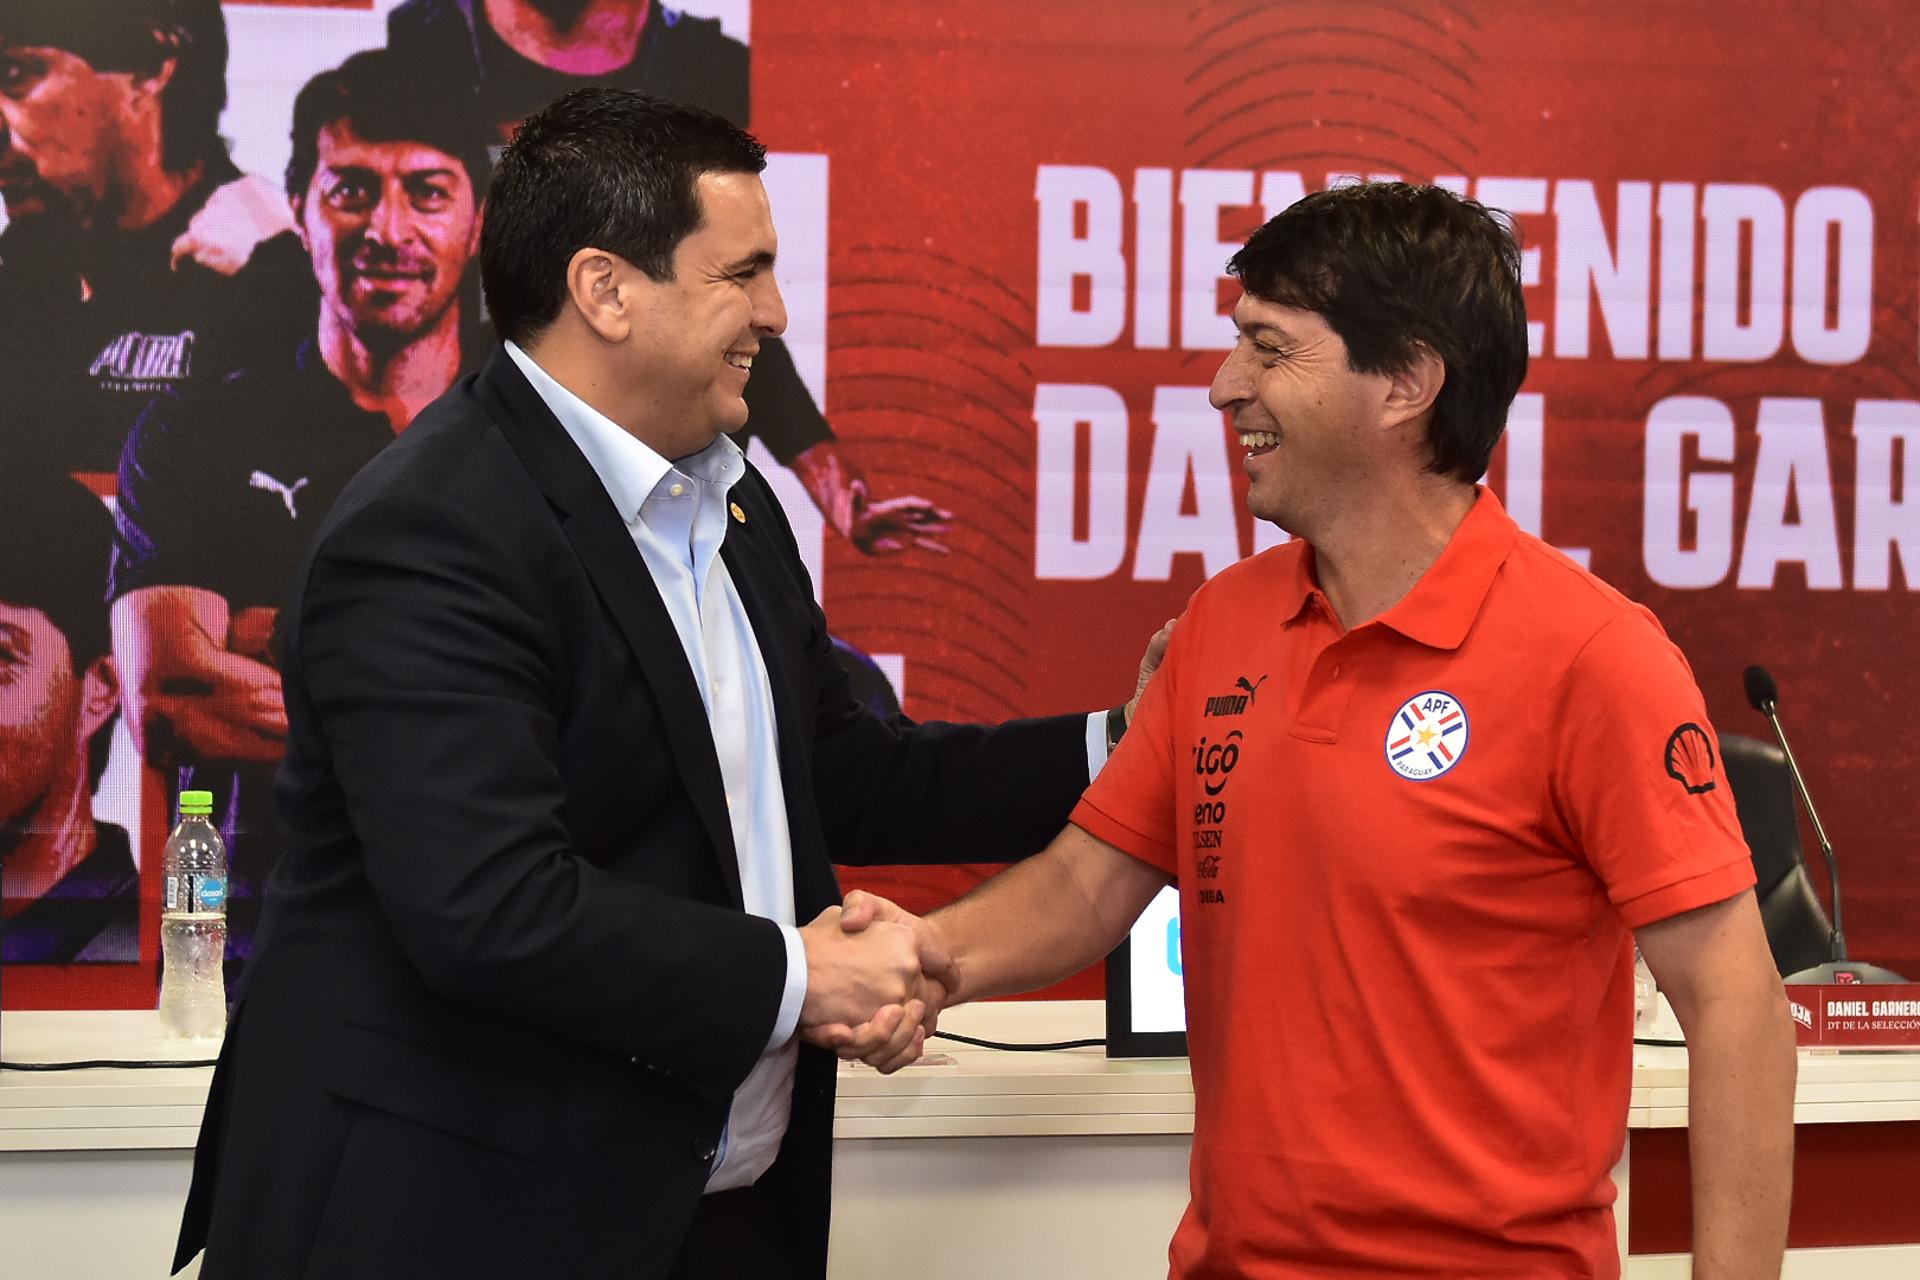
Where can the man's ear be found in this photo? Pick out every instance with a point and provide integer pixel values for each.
(151, 83)
(1412, 390)
(99, 695)
(600, 286)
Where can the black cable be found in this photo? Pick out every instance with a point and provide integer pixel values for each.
(128, 1064)
(1669, 1044)
(163, 1064)
(1049, 1047)
(1022, 1048)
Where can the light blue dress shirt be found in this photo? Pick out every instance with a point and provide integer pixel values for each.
(677, 514)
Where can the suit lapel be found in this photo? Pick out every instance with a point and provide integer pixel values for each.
(755, 562)
(746, 553)
(599, 536)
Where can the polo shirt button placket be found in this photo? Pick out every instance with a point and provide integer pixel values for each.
(1323, 699)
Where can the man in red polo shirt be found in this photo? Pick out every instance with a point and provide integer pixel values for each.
(1422, 782)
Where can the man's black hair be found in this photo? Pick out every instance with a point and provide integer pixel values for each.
(138, 36)
(1391, 267)
(384, 99)
(59, 539)
(601, 168)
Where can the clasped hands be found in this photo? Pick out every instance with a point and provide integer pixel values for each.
(877, 978)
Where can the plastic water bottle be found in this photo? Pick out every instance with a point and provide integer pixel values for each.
(1646, 997)
(193, 924)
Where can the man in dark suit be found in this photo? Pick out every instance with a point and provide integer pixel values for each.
(569, 759)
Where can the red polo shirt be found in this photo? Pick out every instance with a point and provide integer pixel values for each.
(1409, 856)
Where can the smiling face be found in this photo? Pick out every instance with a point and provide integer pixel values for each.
(65, 134)
(695, 336)
(390, 227)
(1304, 417)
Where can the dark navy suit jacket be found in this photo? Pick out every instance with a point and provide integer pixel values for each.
(504, 987)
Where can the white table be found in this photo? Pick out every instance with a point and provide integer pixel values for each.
(987, 1164)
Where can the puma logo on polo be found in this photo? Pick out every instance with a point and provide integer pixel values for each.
(1233, 704)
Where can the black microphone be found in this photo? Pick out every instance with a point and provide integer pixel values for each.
(1764, 695)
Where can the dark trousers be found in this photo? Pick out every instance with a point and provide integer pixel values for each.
(736, 1235)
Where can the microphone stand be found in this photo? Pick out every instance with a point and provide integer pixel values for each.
(1838, 969)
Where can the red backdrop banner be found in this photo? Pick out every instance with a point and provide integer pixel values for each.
(1004, 232)
(1031, 207)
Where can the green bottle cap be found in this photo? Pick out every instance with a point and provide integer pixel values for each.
(196, 804)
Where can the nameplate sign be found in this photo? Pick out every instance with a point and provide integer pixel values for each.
(1856, 1015)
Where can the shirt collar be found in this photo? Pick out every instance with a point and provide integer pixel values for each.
(1440, 609)
(1299, 587)
(629, 469)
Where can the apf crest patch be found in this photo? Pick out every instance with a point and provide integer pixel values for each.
(1427, 736)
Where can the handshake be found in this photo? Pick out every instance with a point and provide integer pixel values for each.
(877, 979)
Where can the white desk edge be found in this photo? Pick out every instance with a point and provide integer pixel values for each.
(966, 1092)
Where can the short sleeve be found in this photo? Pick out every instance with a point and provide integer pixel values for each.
(1130, 805)
(164, 535)
(1637, 779)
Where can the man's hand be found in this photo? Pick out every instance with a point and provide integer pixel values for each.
(190, 697)
(876, 528)
(1150, 663)
(893, 1038)
(234, 221)
(894, 524)
(896, 1035)
(851, 977)
(862, 909)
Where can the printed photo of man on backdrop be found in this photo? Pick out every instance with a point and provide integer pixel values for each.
(118, 192)
(221, 489)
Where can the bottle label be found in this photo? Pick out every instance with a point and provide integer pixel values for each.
(192, 893)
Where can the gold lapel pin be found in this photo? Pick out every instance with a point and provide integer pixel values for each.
(738, 514)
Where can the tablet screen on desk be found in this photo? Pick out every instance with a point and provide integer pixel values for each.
(1146, 995)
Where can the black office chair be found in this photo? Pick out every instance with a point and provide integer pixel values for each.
(1797, 927)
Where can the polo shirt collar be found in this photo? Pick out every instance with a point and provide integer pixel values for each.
(1298, 588)
(1440, 609)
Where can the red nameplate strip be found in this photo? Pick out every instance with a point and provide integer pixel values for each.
(1856, 1016)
